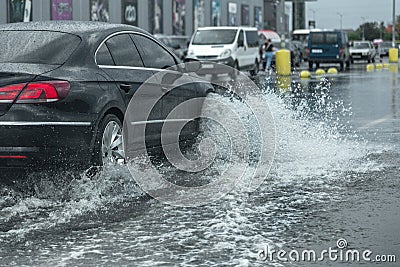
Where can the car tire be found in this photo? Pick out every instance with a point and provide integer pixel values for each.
(108, 145)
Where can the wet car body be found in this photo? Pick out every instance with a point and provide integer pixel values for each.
(89, 84)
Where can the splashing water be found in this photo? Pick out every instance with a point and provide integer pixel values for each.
(314, 152)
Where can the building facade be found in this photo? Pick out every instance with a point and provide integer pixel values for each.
(179, 17)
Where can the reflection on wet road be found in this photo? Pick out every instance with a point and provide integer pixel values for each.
(335, 175)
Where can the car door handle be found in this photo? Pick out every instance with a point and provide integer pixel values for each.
(125, 87)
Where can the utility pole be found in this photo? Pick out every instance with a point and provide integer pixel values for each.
(341, 17)
(394, 25)
(363, 28)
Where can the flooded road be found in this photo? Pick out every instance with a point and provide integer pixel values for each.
(335, 176)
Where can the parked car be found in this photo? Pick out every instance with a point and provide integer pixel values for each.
(65, 87)
(233, 46)
(362, 50)
(302, 48)
(384, 48)
(178, 43)
(330, 46)
(295, 52)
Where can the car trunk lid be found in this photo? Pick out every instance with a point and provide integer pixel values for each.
(19, 73)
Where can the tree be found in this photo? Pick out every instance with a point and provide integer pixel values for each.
(354, 36)
(370, 30)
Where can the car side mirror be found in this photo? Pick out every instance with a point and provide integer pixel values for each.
(240, 43)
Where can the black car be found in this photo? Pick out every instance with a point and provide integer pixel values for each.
(177, 43)
(65, 87)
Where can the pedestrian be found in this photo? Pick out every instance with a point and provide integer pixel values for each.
(269, 48)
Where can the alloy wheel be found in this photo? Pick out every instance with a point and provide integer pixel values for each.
(112, 147)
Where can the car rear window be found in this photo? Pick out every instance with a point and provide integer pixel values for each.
(210, 37)
(37, 47)
(324, 38)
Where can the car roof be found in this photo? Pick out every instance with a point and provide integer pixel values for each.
(72, 27)
(227, 28)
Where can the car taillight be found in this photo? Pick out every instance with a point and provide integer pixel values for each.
(36, 92)
(340, 51)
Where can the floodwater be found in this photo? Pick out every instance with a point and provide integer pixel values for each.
(335, 176)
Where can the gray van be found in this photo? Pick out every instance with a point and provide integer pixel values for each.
(328, 47)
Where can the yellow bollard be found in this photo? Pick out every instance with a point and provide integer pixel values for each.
(283, 83)
(282, 58)
(379, 66)
(386, 65)
(305, 74)
(319, 72)
(370, 67)
(332, 71)
(394, 67)
(393, 55)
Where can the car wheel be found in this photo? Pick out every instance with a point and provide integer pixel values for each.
(109, 145)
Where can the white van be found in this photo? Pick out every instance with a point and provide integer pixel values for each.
(234, 46)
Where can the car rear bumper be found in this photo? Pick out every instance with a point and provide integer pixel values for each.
(325, 60)
(44, 144)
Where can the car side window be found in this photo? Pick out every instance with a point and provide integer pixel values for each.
(123, 51)
(103, 56)
(153, 54)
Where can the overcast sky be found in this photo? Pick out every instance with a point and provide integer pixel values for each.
(326, 12)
